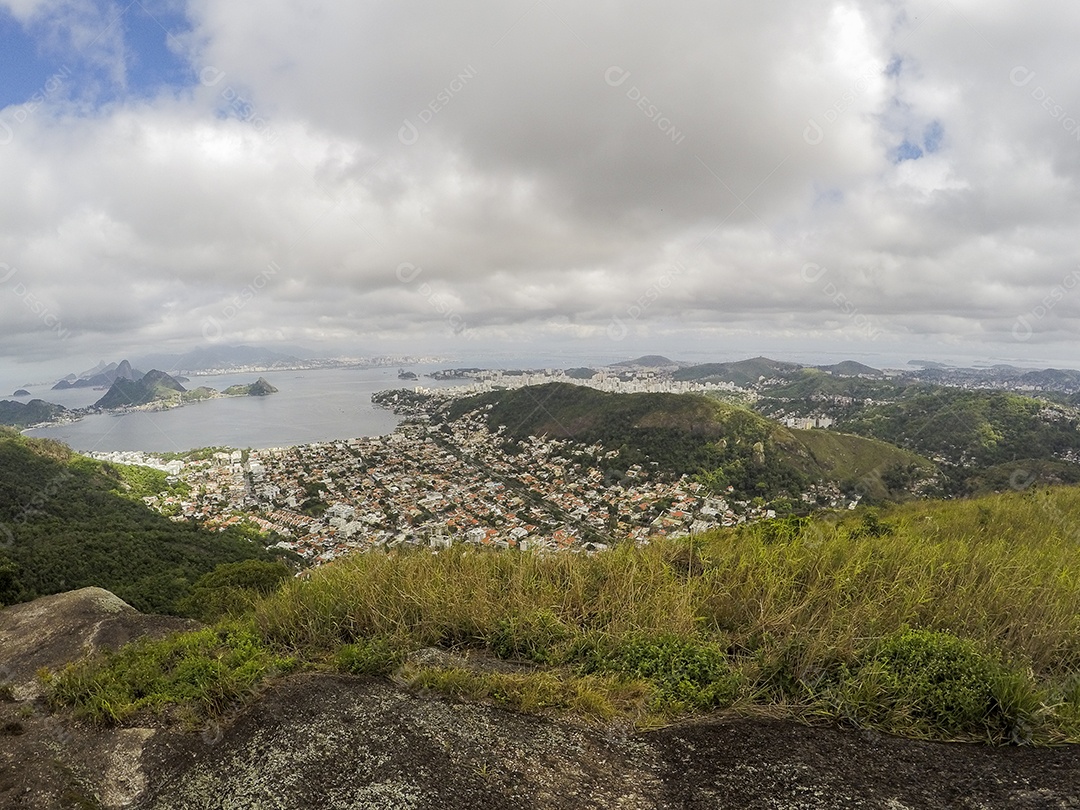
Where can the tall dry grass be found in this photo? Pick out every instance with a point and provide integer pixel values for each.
(997, 571)
(933, 619)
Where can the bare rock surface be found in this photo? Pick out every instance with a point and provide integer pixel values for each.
(321, 741)
(54, 630)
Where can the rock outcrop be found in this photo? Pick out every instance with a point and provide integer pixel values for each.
(316, 742)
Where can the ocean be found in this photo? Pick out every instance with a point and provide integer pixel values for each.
(310, 406)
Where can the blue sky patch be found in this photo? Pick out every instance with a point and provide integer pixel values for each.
(133, 56)
(23, 71)
(152, 51)
(907, 151)
(933, 136)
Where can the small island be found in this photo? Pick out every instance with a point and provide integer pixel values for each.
(259, 388)
(157, 390)
(22, 392)
(129, 390)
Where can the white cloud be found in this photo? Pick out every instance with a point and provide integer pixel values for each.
(547, 166)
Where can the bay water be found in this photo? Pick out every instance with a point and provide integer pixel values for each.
(310, 406)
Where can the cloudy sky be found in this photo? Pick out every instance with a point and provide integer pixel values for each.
(698, 177)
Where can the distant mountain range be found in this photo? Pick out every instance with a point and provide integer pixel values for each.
(211, 358)
(740, 372)
(206, 358)
(100, 376)
(127, 388)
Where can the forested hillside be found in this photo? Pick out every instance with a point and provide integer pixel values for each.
(68, 522)
(32, 413)
(975, 432)
(688, 434)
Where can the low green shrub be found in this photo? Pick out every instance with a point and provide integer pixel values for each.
(206, 671)
(376, 656)
(939, 680)
(231, 588)
(685, 674)
(932, 683)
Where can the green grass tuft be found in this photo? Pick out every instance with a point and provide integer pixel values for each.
(206, 672)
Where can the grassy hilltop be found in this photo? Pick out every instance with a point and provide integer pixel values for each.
(956, 620)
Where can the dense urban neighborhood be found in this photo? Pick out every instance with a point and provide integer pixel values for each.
(437, 484)
(421, 486)
(436, 481)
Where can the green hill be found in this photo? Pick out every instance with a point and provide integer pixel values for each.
(68, 522)
(33, 412)
(153, 386)
(725, 444)
(878, 470)
(851, 368)
(971, 431)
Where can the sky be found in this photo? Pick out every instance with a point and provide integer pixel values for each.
(892, 179)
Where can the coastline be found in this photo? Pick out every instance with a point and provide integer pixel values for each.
(74, 415)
